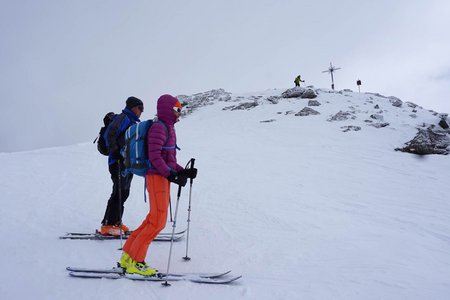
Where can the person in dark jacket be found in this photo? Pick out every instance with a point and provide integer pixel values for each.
(161, 149)
(115, 140)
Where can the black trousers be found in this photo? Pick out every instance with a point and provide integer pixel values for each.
(121, 185)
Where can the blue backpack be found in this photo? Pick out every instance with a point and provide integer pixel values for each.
(134, 152)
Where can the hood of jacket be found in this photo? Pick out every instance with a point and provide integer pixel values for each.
(164, 109)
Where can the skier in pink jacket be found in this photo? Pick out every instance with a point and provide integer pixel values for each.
(161, 147)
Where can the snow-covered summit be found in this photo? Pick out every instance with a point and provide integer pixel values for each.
(354, 111)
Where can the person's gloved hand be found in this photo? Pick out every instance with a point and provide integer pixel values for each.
(177, 178)
(189, 173)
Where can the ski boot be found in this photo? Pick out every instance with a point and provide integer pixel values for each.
(124, 261)
(140, 268)
(113, 230)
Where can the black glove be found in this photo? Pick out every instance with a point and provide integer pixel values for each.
(189, 173)
(177, 178)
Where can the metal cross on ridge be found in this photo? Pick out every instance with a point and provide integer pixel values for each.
(330, 70)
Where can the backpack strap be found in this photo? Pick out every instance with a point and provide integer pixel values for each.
(167, 138)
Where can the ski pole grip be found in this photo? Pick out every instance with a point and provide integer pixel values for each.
(192, 166)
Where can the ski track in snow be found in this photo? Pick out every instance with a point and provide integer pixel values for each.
(301, 209)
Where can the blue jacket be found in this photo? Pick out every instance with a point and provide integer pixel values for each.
(115, 133)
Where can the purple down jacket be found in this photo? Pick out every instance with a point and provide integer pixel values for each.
(162, 154)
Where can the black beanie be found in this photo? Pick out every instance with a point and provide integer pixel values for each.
(133, 101)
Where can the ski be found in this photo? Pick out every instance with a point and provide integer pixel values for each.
(118, 273)
(100, 237)
(160, 277)
(117, 270)
(126, 233)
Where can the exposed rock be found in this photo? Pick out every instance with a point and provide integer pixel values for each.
(376, 106)
(289, 112)
(379, 125)
(413, 116)
(309, 94)
(246, 105)
(273, 99)
(307, 111)
(395, 101)
(313, 103)
(428, 141)
(376, 94)
(377, 117)
(341, 116)
(443, 124)
(267, 121)
(195, 101)
(410, 104)
(293, 93)
(350, 128)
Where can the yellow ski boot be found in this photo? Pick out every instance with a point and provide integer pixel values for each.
(125, 260)
(140, 268)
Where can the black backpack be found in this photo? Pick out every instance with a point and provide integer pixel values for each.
(101, 142)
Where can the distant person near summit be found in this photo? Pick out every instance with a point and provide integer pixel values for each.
(297, 80)
(115, 140)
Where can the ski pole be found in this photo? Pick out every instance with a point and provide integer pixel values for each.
(187, 258)
(120, 202)
(170, 206)
(174, 225)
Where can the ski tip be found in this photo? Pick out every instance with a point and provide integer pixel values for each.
(232, 279)
(216, 280)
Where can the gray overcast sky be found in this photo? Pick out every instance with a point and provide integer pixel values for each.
(64, 64)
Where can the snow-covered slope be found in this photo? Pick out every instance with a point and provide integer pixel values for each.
(302, 209)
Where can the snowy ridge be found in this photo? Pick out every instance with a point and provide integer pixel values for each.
(374, 109)
(303, 206)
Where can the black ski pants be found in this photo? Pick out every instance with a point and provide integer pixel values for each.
(120, 193)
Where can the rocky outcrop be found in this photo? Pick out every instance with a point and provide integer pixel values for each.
(307, 112)
(242, 106)
(191, 103)
(428, 141)
(309, 94)
(350, 128)
(341, 116)
(313, 103)
(379, 125)
(299, 92)
(395, 101)
(295, 92)
(273, 99)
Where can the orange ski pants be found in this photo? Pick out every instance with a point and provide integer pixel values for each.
(137, 244)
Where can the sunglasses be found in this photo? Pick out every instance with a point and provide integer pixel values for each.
(177, 109)
(141, 108)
